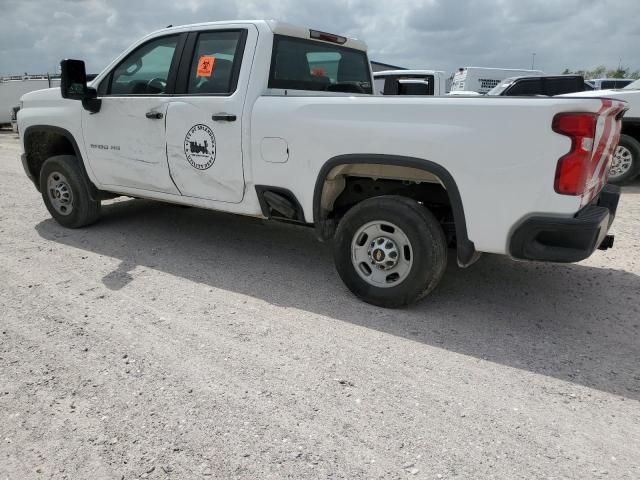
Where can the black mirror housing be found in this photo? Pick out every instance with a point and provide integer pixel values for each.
(73, 85)
(73, 79)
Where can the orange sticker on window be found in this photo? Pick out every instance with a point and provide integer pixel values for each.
(206, 65)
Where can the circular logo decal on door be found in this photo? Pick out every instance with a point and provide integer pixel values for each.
(200, 147)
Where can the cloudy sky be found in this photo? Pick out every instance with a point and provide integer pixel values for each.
(435, 34)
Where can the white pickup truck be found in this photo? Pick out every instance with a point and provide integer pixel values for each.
(266, 119)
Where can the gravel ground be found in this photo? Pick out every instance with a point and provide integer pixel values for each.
(166, 342)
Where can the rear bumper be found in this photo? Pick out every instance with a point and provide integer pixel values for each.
(567, 240)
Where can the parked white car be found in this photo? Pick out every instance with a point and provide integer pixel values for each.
(609, 83)
(410, 82)
(270, 120)
(626, 161)
(482, 80)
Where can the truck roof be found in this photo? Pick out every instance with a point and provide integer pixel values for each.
(277, 27)
(385, 73)
(518, 77)
(501, 69)
(611, 79)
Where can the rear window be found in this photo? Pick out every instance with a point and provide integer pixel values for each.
(525, 87)
(560, 86)
(414, 88)
(406, 85)
(298, 64)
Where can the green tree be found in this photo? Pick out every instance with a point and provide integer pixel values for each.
(620, 72)
(604, 72)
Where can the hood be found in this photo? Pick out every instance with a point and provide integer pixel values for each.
(44, 94)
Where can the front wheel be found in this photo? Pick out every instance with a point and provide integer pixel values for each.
(390, 251)
(625, 165)
(65, 190)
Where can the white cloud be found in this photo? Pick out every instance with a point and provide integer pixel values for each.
(439, 34)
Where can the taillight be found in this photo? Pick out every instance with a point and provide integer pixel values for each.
(574, 169)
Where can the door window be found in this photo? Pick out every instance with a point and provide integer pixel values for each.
(146, 70)
(216, 63)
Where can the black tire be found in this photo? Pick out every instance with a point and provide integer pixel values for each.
(424, 233)
(83, 209)
(633, 146)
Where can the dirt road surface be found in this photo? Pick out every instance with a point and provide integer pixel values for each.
(166, 342)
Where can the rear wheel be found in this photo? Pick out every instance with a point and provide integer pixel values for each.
(390, 251)
(66, 192)
(625, 165)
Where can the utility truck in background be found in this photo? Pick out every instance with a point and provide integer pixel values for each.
(481, 79)
(12, 88)
(266, 119)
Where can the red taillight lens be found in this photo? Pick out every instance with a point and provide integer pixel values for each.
(573, 170)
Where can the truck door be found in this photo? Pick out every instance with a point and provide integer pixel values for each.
(125, 140)
(204, 119)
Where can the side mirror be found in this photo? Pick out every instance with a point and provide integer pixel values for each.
(73, 85)
(73, 81)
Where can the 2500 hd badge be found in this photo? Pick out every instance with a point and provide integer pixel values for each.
(200, 147)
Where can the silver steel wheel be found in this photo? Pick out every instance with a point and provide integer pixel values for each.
(382, 254)
(60, 194)
(621, 163)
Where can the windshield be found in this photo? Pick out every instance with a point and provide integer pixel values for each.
(501, 87)
(633, 86)
(299, 64)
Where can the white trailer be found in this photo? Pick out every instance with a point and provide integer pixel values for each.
(481, 79)
(12, 88)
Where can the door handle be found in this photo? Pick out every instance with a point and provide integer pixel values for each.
(153, 115)
(224, 117)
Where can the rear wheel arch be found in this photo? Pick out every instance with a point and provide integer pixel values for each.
(323, 191)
